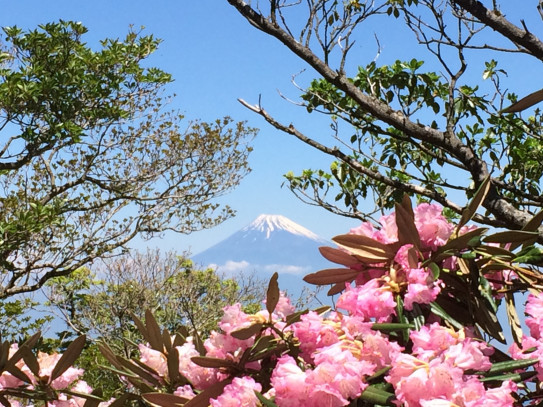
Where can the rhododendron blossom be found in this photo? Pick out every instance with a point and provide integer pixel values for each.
(241, 392)
(388, 338)
(370, 301)
(47, 364)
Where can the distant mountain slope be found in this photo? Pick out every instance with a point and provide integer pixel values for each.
(270, 243)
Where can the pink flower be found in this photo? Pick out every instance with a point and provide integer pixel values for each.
(72, 401)
(184, 391)
(500, 396)
(288, 380)
(234, 319)
(314, 333)
(432, 340)
(434, 229)
(338, 375)
(154, 359)
(369, 301)
(7, 380)
(47, 364)
(388, 233)
(421, 287)
(535, 348)
(534, 310)
(200, 377)
(284, 307)
(416, 381)
(241, 392)
(468, 355)
(225, 346)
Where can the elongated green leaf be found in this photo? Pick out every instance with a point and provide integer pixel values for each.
(246, 333)
(143, 371)
(375, 395)
(95, 396)
(487, 319)
(440, 312)
(4, 354)
(173, 365)
(272, 295)
(4, 401)
(530, 255)
(516, 377)
(336, 289)
(365, 248)
(18, 373)
(405, 221)
(212, 392)
(434, 268)
(110, 356)
(264, 401)
(512, 236)
(32, 341)
(30, 360)
(460, 242)
(338, 256)
(295, 317)
(166, 340)
(164, 400)
(508, 366)
(473, 205)
(153, 330)
(68, 357)
(216, 363)
(512, 316)
(141, 327)
(331, 276)
(392, 326)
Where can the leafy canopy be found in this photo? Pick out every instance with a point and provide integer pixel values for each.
(91, 159)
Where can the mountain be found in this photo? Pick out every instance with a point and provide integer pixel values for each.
(270, 243)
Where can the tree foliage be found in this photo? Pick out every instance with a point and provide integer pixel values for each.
(91, 158)
(101, 303)
(435, 129)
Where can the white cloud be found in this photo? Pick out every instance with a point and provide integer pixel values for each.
(286, 269)
(233, 267)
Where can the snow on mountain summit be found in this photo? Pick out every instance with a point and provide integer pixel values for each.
(269, 223)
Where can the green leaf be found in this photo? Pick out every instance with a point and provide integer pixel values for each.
(376, 396)
(264, 401)
(211, 392)
(331, 276)
(474, 204)
(164, 400)
(153, 332)
(512, 317)
(440, 312)
(512, 236)
(365, 248)
(246, 333)
(272, 295)
(508, 366)
(68, 358)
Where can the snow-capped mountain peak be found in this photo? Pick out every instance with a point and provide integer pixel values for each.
(269, 223)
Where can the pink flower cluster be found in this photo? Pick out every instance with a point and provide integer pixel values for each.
(415, 282)
(435, 373)
(532, 345)
(68, 380)
(335, 354)
(317, 359)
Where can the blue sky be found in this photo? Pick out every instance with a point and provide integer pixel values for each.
(215, 57)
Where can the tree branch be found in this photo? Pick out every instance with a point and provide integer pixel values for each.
(499, 23)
